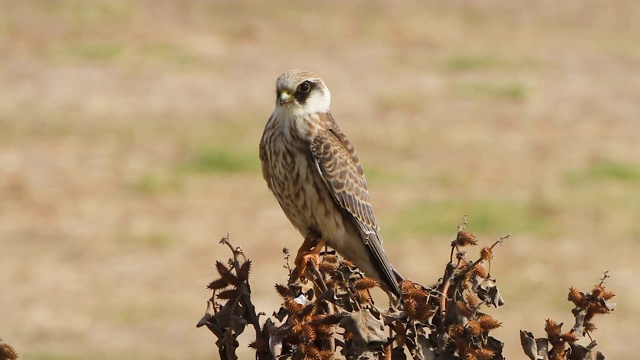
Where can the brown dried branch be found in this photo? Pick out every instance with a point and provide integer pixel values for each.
(327, 309)
(563, 346)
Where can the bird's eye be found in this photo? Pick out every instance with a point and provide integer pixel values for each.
(304, 87)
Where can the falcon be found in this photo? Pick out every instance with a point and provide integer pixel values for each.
(312, 169)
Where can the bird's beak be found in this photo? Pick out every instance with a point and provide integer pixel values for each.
(285, 97)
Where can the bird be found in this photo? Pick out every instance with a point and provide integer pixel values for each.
(313, 171)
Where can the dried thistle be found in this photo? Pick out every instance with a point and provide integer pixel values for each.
(7, 352)
(486, 253)
(576, 297)
(226, 274)
(465, 238)
(480, 271)
(365, 284)
(488, 323)
(553, 329)
(483, 354)
(282, 290)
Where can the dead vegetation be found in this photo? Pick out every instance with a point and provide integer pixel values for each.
(558, 345)
(7, 352)
(329, 312)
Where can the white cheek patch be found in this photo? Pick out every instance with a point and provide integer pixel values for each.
(318, 102)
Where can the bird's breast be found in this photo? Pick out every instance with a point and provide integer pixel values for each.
(299, 188)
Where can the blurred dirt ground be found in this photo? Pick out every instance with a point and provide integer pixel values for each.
(128, 147)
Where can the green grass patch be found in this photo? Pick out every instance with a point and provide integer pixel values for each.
(91, 13)
(222, 161)
(484, 216)
(153, 238)
(94, 51)
(152, 183)
(169, 53)
(385, 175)
(474, 62)
(514, 91)
(467, 62)
(406, 101)
(604, 170)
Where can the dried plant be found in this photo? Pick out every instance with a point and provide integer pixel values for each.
(564, 346)
(327, 311)
(7, 352)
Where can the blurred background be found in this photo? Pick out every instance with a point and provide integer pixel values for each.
(128, 147)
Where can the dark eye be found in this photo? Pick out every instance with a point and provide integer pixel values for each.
(304, 87)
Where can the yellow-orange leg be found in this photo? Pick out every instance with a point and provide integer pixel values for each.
(310, 249)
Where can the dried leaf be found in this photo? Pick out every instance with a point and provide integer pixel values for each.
(228, 294)
(488, 292)
(579, 315)
(496, 346)
(208, 314)
(245, 269)
(365, 329)
(579, 352)
(226, 274)
(218, 284)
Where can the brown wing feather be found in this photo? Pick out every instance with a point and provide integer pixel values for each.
(340, 168)
(264, 160)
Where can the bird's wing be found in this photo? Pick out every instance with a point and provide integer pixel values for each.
(264, 161)
(341, 171)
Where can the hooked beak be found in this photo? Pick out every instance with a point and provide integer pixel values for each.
(285, 97)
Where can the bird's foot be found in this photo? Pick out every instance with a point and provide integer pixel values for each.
(309, 251)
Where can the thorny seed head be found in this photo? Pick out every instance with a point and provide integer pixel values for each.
(308, 332)
(600, 291)
(595, 309)
(474, 327)
(483, 353)
(465, 238)
(589, 327)
(363, 296)
(323, 331)
(260, 344)
(414, 291)
(424, 311)
(282, 290)
(348, 263)
(328, 267)
(488, 323)
(365, 283)
(480, 271)
(486, 253)
(553, 329)
(569, 337)
(473, 300)
(456, 331)
(293, 306)
(410, 307)
(464, 309)
(577, 297)
(310, 352)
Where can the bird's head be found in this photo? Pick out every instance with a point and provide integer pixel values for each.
(301, 92)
